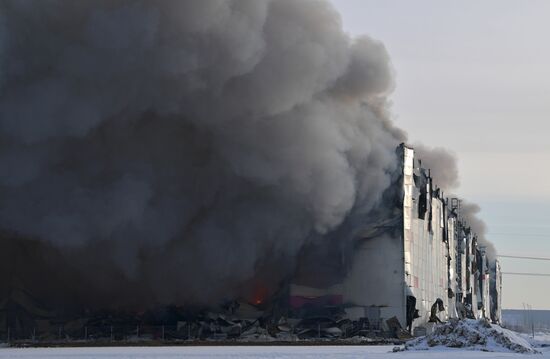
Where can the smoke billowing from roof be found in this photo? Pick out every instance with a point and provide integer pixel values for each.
(444, 170)
(187, 147)
(442, 163)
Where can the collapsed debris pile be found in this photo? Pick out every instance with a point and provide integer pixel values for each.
(232, 322)
(472, 334)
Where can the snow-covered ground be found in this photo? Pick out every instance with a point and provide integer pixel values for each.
(541, 339)
(268, 352)
(486, 338)
(474, 335)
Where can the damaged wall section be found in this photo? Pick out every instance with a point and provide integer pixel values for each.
(427, 254)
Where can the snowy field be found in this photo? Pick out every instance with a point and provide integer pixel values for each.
(283, 352)
(466, 328)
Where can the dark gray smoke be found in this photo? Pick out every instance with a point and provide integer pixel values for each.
(444, 170)
(183, 150)
(184, 144)
(443, 165)
(470, 211)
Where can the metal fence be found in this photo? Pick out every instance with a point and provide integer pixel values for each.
(101, 333)
(184, 331)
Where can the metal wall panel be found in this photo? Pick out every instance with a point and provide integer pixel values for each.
(426, 265)
(433, 255)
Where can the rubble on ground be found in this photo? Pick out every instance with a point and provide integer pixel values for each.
(472, 334)
(234, 322)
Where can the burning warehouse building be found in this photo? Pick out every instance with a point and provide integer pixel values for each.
(424, 251)
(192, 153)
(407, 257)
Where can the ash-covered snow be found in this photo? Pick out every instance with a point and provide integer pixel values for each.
(475, 335)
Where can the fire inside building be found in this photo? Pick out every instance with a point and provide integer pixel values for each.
(413, 265)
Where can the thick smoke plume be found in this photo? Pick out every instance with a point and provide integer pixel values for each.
(184, 150)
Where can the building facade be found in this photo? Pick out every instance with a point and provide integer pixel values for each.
(431, 255)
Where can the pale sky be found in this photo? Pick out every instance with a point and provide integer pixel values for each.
(474, 77)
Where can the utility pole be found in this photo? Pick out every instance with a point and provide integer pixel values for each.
(532, 321)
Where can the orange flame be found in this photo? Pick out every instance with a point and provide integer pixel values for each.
(260, 294)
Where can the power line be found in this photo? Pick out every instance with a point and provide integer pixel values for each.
(524, 257)
(517, 234)
(528, 274)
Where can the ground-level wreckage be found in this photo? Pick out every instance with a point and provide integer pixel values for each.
(410, 269)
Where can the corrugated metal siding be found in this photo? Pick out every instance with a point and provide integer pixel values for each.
(435, 253)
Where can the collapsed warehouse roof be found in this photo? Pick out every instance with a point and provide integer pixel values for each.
(342, 289)
(368, 297)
